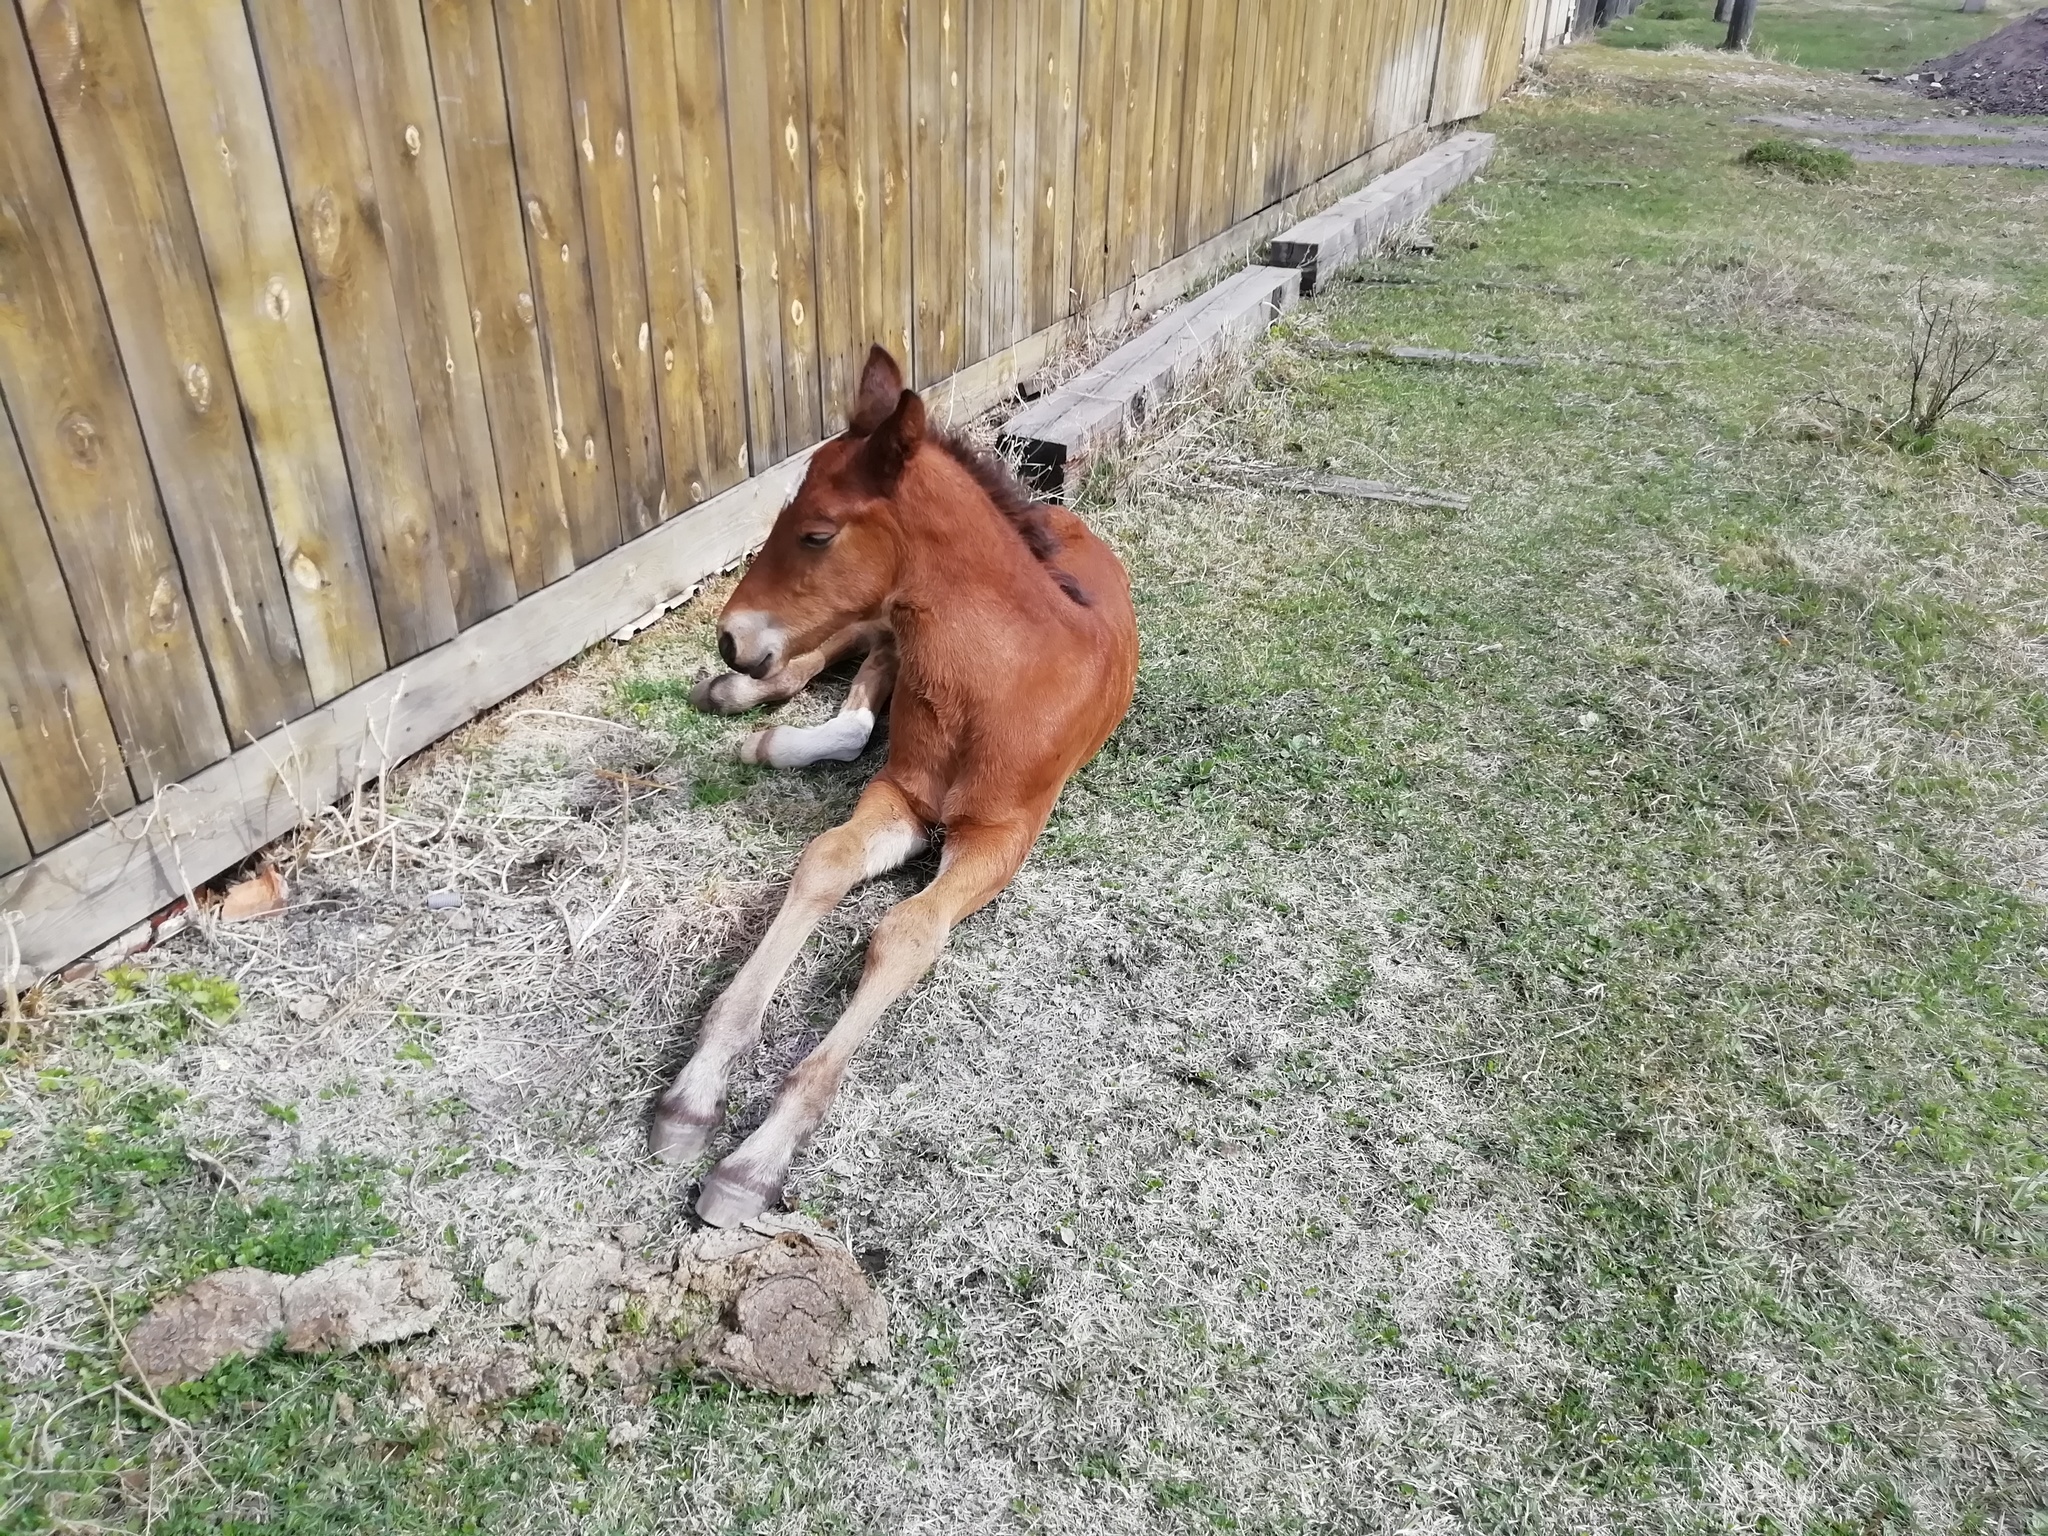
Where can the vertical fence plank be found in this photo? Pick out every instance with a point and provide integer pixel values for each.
(795, 234)
(387, 44)
(979, 17)
(835, 176)
(476, 135)
(594, 55)
(1001, 301)
(100, 84)
(1027, 71)
(1094, 106)
(206, 66)
(544, 154)
(1255, 107)
(882, 108)
(748, 95)
(310, 82)
(659, 160)
(61, 378)
(1130, 167)
(952, 188)
(1066, 89)
(714, 263)
(1205, 179)
(58, 751)
(927, 57)
(1167, 130)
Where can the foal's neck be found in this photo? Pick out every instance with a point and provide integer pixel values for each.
(959, 548)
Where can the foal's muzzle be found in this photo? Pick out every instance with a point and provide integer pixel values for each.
(750, 642)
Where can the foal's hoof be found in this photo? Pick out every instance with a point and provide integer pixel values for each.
(677, 1140)
(720, 695)
(732, 1195)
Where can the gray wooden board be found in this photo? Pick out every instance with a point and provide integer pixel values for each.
(1093, 411)
(1353, 226)
(106, 880)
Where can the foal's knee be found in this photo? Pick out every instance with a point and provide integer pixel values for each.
(906, 942)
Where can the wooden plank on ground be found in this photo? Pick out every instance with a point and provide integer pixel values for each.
(100, 85)
(707, 192)
(1057, 434)
(107, 879)
(476, 135)
(659, 158)
(545, 153)
(387, 42)
(61, 378)
(756, 143)
(304, 55)
(206, 66)
(1355, 225)
(58, 751)
(1094, 122)
(594, 54)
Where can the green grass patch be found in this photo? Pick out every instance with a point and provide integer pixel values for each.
(1808, 162)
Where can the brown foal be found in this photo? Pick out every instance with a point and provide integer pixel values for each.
(999, 631)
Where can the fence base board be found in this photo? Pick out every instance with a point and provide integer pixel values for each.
(1355, 226)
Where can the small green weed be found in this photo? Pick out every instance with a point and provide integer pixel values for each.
(1808, 162)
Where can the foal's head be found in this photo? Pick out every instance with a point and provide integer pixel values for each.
(830, 560)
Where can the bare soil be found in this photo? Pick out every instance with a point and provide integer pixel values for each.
(2006, 73)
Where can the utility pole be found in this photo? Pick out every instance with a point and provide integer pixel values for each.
(1741, 17)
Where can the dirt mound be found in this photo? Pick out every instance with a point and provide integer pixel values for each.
(2006, 73)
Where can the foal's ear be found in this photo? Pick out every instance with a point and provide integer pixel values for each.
(881, 382)
(891, 444)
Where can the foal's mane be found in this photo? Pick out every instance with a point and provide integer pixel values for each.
(1029, 516)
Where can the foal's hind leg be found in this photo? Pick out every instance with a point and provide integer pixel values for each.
(732, 693)
(881, 834)
(978, 863)
(840, 739)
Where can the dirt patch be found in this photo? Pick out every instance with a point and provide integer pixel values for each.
(780, 1307)
(343, 1305)
(2023, 157)
(2006, 73)
(1915, 128)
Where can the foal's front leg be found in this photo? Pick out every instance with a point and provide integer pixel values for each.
(882, 833)
(840, 739)
(733, 693)
(979, 861)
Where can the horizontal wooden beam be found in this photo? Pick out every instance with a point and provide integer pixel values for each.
(1356, 226)
(1093, 412)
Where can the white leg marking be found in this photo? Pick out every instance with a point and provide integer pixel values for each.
(839, 740)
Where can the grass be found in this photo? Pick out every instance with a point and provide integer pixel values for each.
(1535, 1024)
(1888, 35)
(1807, 162)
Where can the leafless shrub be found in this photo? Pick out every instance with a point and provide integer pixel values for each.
(1956, 350)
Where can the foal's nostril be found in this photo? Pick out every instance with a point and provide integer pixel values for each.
(726, 652)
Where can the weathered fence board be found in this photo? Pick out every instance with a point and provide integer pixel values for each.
(58, 754)
(206, 65)
(100, 85)
(333, 332)
(544, 151)
(61, 379)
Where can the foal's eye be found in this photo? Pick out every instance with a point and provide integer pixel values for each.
(818, 538)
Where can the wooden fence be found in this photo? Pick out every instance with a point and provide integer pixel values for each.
(332, 331)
